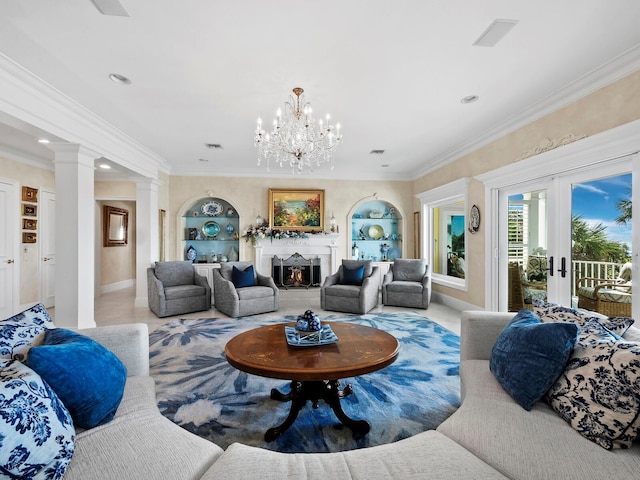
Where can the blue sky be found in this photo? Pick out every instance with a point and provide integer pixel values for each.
(596, 203)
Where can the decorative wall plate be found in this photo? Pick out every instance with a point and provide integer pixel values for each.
(393, 253)
(474, 219)
(376, 232)
(212, 208)
(211, 229)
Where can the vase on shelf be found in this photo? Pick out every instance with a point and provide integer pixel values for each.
(232, 255)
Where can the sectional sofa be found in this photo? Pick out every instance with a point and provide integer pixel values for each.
(489, 437)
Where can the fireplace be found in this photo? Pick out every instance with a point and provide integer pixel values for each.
(296, 271)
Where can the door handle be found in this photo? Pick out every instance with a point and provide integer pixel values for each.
(10, 261)
(46, 259)
(563, 267)
(550, 266)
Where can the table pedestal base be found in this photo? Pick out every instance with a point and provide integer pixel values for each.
(329, 391)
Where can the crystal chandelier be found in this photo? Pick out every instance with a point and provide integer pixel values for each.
(295, 140)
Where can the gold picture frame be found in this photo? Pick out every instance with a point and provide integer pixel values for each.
(29, 194)
(115, 226)
(29, 224)
(29, 210)
(301, 210)
(29, 237)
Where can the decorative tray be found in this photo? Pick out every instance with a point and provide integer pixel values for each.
(297, 338)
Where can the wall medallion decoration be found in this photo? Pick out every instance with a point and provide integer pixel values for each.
(474, 219)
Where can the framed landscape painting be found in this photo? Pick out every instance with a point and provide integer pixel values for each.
(296, 209)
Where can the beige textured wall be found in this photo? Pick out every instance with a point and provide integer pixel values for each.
(250, 198)
(34, 177)
(118, 264)
(607, 108)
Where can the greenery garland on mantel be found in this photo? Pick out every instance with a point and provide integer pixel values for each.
(254, 233)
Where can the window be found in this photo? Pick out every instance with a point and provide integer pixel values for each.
(445, 244)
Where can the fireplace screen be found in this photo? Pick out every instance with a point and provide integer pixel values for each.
(296, 271)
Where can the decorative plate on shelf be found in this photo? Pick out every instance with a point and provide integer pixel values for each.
(212, 208)
(376, 232)
(211, 229)
(192, 253)
(393, 253)
(474, 219)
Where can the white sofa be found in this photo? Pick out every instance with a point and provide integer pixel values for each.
(489, 437)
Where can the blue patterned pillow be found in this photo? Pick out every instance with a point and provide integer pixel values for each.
(552, 312)
(36, 432)
(529, 356)
(598, 393)
(243, 278)
(87, 377)
(22, 331)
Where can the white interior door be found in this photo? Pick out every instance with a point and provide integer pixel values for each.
(8, 249)
(48, 248)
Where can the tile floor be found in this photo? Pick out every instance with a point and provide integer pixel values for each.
(118, 307)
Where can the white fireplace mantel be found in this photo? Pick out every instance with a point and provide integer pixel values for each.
(324, 247)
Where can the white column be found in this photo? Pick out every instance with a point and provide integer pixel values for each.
(147, 240)
(74, 235)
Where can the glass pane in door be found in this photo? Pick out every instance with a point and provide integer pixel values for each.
(527, 243)
(601, 245)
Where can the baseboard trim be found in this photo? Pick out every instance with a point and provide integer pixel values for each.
(453, 302)
(117, 286)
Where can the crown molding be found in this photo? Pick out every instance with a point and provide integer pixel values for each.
(30, 99)
(612, 71)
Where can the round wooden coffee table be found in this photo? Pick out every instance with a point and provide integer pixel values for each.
(315, 372)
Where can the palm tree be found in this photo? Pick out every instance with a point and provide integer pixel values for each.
(591, 243)
(625, 207)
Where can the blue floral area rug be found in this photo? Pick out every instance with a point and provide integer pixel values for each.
(200, 391)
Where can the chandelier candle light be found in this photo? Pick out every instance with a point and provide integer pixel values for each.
(295, 140)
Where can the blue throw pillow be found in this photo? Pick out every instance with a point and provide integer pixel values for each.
(243, 278)
(36, 431)
(353, 276)
(88, 378)
(529, 356)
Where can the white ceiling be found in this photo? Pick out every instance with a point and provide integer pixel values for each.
(392, 73)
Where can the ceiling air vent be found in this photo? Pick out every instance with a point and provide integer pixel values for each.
(496, 31)
(376, 152)
(213, 145)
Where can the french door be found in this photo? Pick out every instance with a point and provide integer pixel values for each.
(537, 242)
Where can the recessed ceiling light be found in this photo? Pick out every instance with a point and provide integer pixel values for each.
(469, 99)
(376, 152)
(104, 166)
(213, 145)
(43, 140)
(384, 165)
(119, 79)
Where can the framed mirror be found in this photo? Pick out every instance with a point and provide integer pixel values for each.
(115, 226)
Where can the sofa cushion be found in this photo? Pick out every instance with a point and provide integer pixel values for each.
(87, 377)
(401, 286)
(410, 270)
(226, 268)
(140, 443)
(552, 312)
(598, 393)
(527, 445)
(175, 273)
(530, 355)
(243, 278)
(347, 291)
(352, 276)
(22, 331)
(426, 455)
(36, 431)
(184, 291)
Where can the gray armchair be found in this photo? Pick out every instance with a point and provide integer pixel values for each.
(340, 293)
(175, 288)
(407, 284)
(260, 297)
